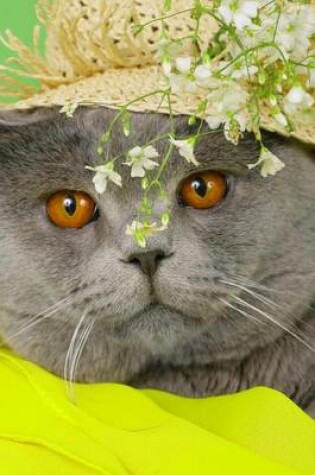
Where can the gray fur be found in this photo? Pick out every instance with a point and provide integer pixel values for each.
(175, 329)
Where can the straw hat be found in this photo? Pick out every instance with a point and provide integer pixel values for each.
(94, 57)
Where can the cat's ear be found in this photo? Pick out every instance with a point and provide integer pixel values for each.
(19, 118)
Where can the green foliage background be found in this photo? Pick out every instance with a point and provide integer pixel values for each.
(18, 16)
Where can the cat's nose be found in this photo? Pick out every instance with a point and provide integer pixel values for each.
(148, 261)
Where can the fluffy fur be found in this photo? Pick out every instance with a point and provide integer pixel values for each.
(229, 304)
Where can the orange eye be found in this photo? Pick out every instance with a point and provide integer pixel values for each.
(70, 209)
(203, 190)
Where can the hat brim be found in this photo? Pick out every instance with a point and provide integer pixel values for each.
(142, 90)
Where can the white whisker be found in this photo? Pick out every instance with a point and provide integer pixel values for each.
(78, 352)
(39, 318)
(74, 353)
(257, 296)
(275, 322)
(245, 314)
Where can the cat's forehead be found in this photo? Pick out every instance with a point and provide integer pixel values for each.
(73, 142)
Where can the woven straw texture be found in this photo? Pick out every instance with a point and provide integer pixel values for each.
(94, 58)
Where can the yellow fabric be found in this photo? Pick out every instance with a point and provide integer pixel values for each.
(116, 430)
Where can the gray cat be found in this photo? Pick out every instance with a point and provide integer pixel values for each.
(219, 302)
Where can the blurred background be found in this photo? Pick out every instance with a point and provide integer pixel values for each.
(18, 16)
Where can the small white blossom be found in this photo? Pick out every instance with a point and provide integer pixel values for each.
(103, 174)
(183, 64)
(139, 159)
(238, 69)
(167, 68)
(281, 119)
(203, 75)
(182, 81)
(226, 102)
(141, 231)
(234, 127)
(187, 77)
(214, 121)
(270, 164)
(297, 100)
(69, 108)
(294, 31)
(181, 84)
(238, 12)
(185, 149)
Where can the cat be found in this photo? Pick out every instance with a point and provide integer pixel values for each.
(219, 302)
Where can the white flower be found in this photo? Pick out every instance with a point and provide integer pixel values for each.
(182, 80)
(167, 68)
(214, 121)
(138, 158)
(294, 30)
(183, 64)
(281, 119)
(296, 95)
(181, 84)
(187, 77)
(255, 35)
(69, 108)
(203, 75)
(238, 12)
(226, 102)
(185, 149)
(103, 174)
(141, 231)
(297, 100)
(234, 127)
(270, 164)
(238, 69)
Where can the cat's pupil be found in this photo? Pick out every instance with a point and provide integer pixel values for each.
(70, 205)
(200, 187)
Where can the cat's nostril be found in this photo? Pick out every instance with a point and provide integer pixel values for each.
(148, 261)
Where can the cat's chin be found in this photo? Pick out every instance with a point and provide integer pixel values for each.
(161, 326)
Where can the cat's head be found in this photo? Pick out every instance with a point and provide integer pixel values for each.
(216, 284)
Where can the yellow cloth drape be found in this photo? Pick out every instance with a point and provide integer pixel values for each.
(113, 429)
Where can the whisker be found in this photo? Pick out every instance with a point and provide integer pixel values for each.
(275, 322)
(258, 286)
(245, 314)
(76, 345)
(71, 345)
(260, 297)
(38, 318)
(78, 353)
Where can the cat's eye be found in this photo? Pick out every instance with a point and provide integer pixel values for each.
(70, 209)
(203, 190)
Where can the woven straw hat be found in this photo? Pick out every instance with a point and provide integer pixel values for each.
(93, 57)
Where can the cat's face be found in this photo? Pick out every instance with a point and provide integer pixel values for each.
(62, 288)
